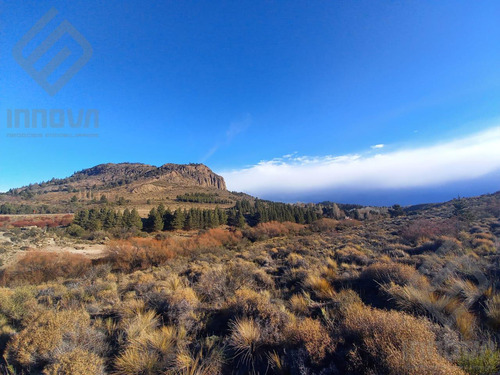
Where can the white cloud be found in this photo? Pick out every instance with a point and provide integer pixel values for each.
(381, 145)
(455, 160)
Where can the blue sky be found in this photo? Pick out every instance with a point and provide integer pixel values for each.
(294, 85)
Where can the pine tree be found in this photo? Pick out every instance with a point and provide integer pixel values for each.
(240, 220)
(161, 209)
(135, 220)
(127, 223)
(154, 221)
(178, 221)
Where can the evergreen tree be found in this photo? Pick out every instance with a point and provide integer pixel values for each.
(154, 221)
(240, 220)
(136, 221)
(178, 221)
(127, 223)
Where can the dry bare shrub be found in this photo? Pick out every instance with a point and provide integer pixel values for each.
(138, 253)
(324, 225)
(397, 273)
(299, 304)
(269, 315)
(76, 362)
(51, 334)
(420, 230)
(272, 229)
(36, 267)
(246, 339)
(147, 348)
(207, 361)
(320, 286)
(180, 308)
(295, 260)
(493, 311)
(351, 254)
(210, 239)
(219, 282)
(447, 310)
(313, 336)
(390, 342)
(449, 246)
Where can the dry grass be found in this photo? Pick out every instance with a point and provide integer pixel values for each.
(390, 342)
(245, 339)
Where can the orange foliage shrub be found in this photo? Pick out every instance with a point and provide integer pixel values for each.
(425, 229)
(143, 253)
(44, 222)
(138, 253)
(272, 229)
(41, 266)
(324, 225)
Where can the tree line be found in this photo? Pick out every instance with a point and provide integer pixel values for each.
(202, 198)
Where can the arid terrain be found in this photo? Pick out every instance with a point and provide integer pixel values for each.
(248, 287)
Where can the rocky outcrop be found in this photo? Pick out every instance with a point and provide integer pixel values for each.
(181, 174)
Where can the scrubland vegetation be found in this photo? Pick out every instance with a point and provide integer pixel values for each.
(406, 293)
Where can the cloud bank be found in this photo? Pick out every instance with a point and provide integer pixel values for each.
(468, 158)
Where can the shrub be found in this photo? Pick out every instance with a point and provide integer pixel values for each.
(313, 336)
(400, 274)
(138, 253)
(41, 266)
(493, 311)
(479, 362)
(324, 225)
(51, 333)
(245, 339)
(320, 286)
(75, 230)
(350, 254)
(390, 342)
(420, 230)
(76, 362)
(272, 229)
(269, 315)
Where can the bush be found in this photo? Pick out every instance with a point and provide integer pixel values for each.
(397, 273)
(52, 333)
(272, 229)
(75, 230)
(420, 230)
(76, 362)
(480, 362)
(41, 266)
(390, 342)
(138, 254)
(313, 336)
(324, 225)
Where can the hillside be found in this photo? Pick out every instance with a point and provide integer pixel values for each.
(134, 185)
(410, 291)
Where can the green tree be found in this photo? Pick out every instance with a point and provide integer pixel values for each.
(178, 221)
(136, 221)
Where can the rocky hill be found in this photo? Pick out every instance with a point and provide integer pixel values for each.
(123, 173)
(138, 185)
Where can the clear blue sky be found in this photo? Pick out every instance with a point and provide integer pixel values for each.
(234, 83)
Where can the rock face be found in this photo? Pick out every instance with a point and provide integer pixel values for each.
(185, 174)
